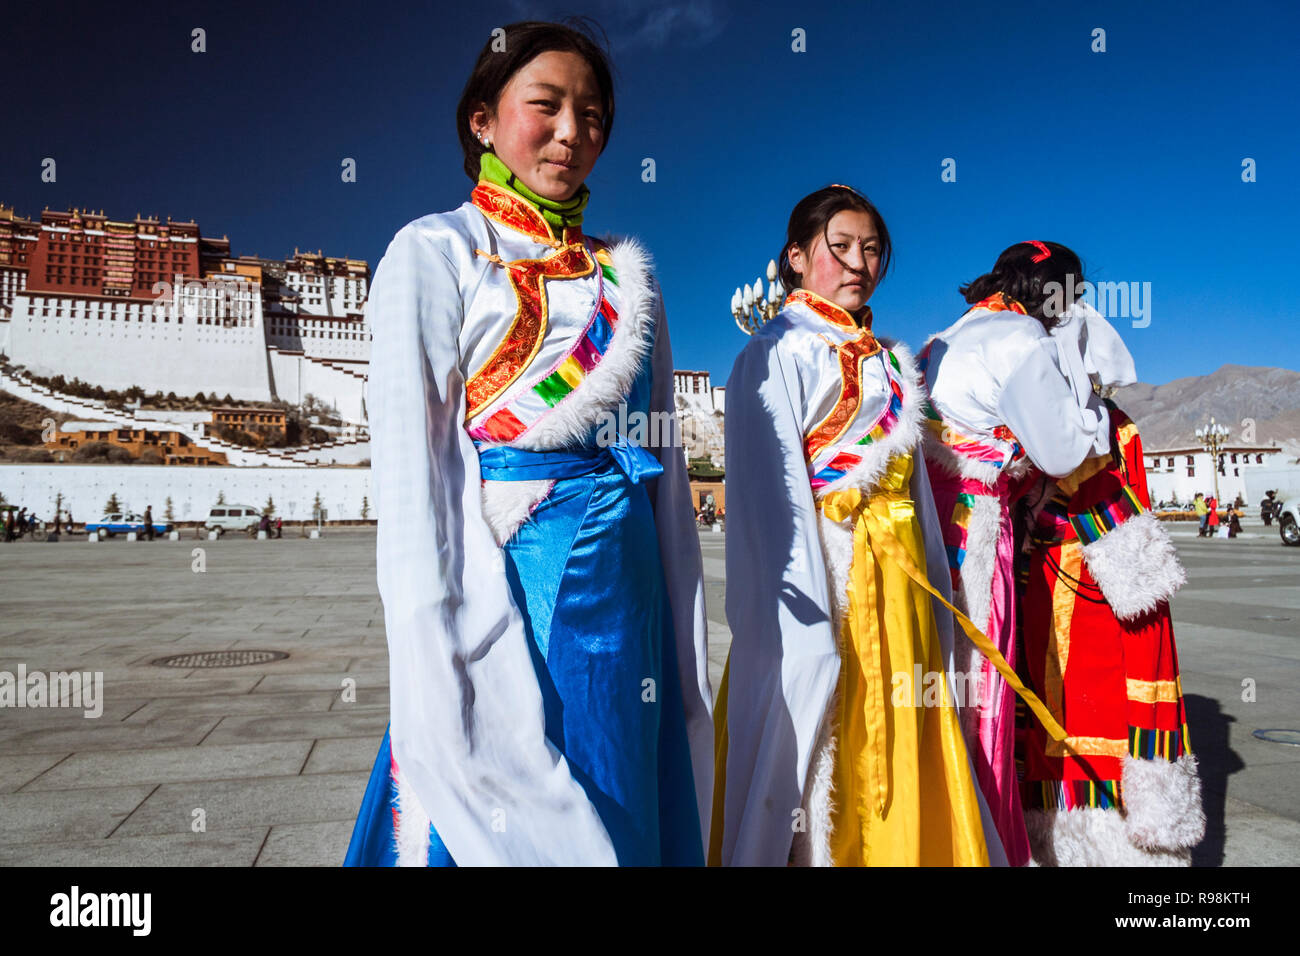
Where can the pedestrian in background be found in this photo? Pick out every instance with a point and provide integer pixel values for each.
(148, 522)
(1212, 519)
(1267, 507)
(1202, 513)
(1234, 520)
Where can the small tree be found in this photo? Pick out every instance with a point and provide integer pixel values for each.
(317, 506)
(365, 508)
(221, 497)
(113, 504)
(270, 506)
(168, 514)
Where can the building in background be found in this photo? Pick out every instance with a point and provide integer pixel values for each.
(155, 304)
(1177, 474)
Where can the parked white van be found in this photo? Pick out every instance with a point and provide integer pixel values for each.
(223, 518)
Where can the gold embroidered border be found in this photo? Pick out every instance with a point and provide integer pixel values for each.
(523, 340)
(1086, 747)
(1154, 691)
(1058, 644)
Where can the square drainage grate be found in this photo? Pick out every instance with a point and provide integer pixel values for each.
(220, 659)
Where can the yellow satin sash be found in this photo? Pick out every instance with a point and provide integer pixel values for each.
(902, 789)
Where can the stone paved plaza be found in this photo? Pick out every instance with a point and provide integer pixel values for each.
(274, 759)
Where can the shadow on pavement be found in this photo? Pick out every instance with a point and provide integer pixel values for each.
(1208, 730)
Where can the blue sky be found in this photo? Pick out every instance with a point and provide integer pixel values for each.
(1133, 157)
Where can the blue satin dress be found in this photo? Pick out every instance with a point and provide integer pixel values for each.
(585, 572)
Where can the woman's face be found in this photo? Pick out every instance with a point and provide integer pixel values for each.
(547, 126)
(853, 238)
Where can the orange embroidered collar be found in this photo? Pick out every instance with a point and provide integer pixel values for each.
(509, 209)
(828, 310)
(999, 302)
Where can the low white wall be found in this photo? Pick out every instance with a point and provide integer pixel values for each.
(193, 489)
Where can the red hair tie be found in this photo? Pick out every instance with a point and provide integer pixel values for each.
(1043, 251)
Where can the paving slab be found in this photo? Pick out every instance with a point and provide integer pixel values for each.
(83, 814)
(238, 804)
(306, 844)
(220, 848)
(174, 764)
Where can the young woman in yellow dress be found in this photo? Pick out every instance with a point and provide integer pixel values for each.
(838, 735)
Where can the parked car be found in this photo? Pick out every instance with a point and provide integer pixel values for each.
(223, 518)
(120, 522)
(1288, 519)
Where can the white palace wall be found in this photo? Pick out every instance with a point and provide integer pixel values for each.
(296, 375)
(193, 489)
(121, 344)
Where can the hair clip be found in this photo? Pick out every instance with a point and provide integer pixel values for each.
(1043, 251)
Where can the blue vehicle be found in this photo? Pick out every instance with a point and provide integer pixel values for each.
(121, 522)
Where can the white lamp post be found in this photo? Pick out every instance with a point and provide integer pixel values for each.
(1213, 437)
(751, 308)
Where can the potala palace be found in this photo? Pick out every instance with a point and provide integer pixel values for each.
(158, 305)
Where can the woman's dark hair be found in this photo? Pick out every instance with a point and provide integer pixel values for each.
(523, 42)
(1025, 272)
(811, 216)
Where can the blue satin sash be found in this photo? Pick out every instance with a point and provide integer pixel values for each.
(585, 572)
(507, 463)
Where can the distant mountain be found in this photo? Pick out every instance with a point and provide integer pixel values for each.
(1168, 415)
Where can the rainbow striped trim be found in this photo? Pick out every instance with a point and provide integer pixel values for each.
(1072, 794)
(958, 529)
(1090, 525)
(1148, 743)
(833, 464)
(531, 405)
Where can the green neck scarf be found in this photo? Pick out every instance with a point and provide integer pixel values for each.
(559, 213)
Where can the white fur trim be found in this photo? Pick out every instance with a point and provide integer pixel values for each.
(814, 847)
(1089, 836)
(904, 436)
(975, 597)
(507, 504)
(1162, 803)
(571, 421)
(411, 829)
(981, 558)
(1136, 566)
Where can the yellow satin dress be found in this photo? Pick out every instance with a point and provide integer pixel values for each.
(903, 792)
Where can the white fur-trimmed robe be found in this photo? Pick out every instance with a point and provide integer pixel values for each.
(787, 574)
(460, 666)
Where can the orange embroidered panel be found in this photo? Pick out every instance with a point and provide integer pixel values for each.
(828, 310)
(510, 210)
(851, 356)
(524, 338)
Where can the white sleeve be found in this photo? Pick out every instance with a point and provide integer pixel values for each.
(1039, 406)
(468, 730)
(679, 551)
(784, 661)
